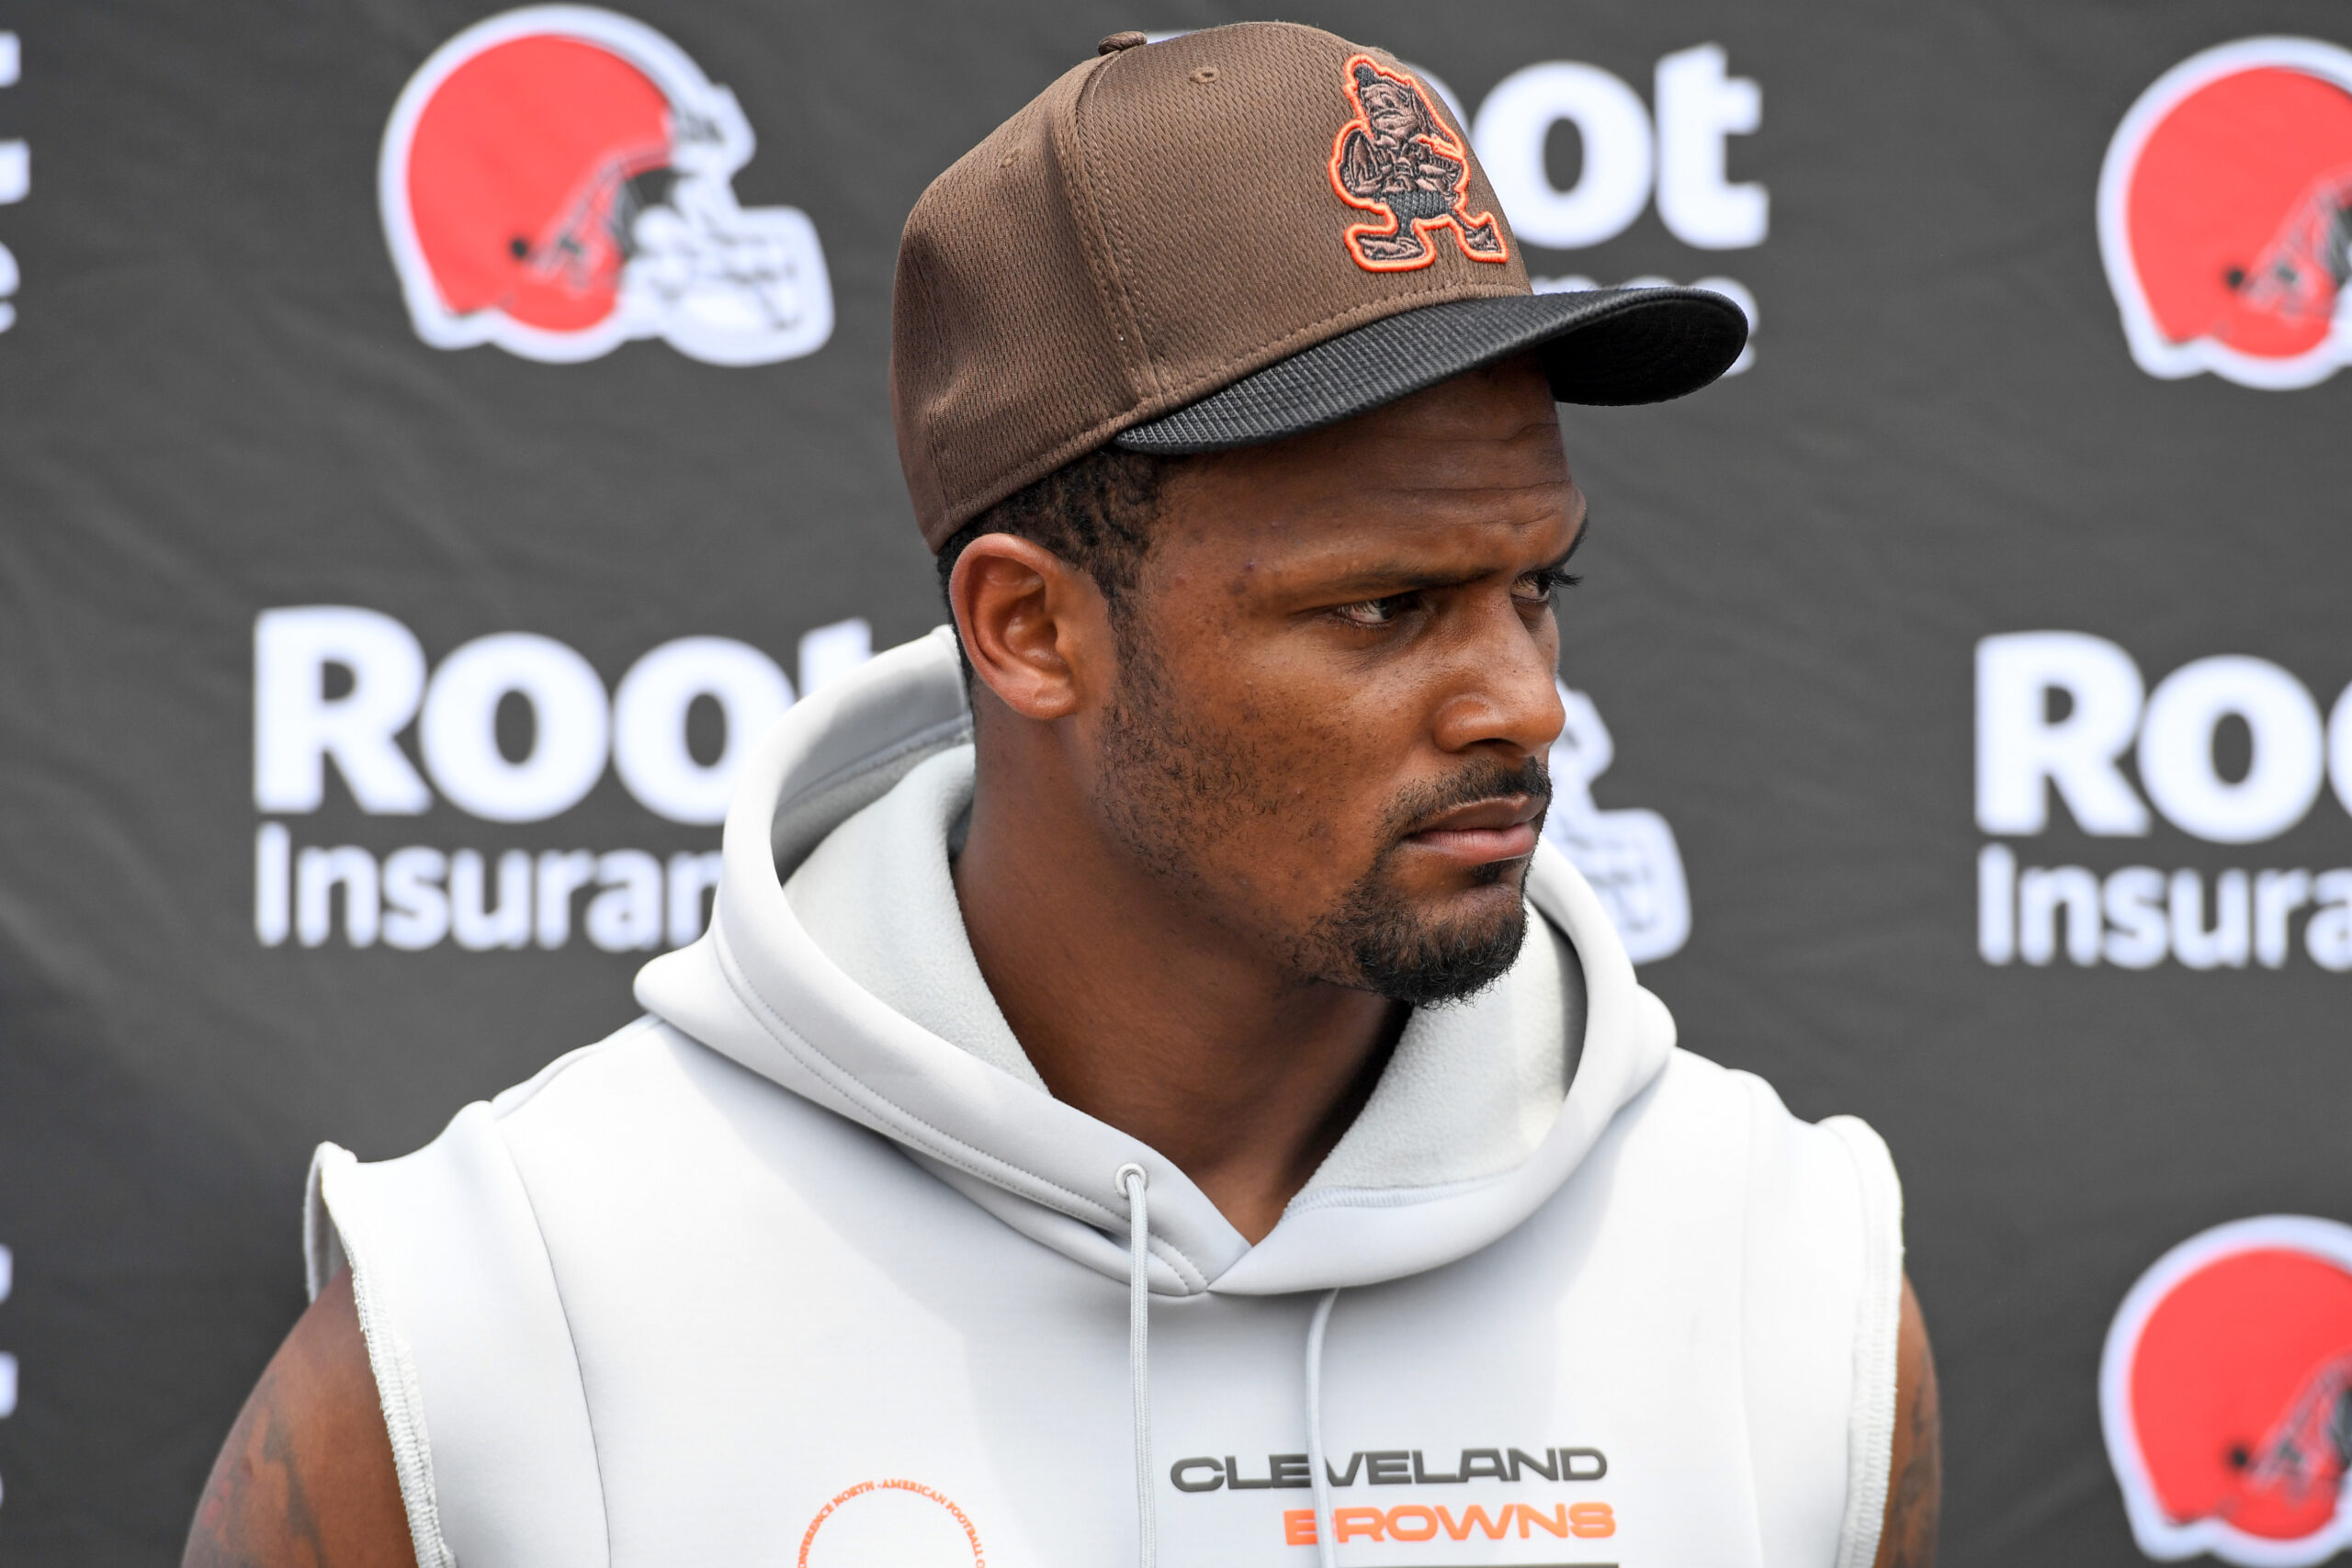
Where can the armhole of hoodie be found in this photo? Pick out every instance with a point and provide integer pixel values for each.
(327, 1246)
(464, 1316)
(1869, 1445)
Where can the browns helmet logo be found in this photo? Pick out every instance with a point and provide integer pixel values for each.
(1397, 159)
(2225, 212)
(2226, 1393)
(556, 181)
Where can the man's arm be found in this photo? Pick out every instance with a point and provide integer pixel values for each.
(306, 1478)
(1915, 1487)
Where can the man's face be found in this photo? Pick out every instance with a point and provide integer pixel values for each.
(1335, 691)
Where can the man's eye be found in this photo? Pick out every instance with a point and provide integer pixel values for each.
(1372, 611)
(1537, 587)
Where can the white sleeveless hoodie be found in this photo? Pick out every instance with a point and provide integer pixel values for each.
(807, 1268)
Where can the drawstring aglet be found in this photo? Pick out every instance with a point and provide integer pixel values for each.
(1133, 1180)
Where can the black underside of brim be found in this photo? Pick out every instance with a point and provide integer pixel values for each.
(1610, 347)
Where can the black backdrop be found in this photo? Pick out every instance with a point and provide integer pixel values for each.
(213, 403)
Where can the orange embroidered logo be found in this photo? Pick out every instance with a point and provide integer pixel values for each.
(905, 1529)
(1397, 159)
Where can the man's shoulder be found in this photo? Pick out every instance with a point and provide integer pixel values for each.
(641, 1071)
(648, 1104)
(1698, 1099)
(627, 1088)
(642, 1056)
(648, 1117)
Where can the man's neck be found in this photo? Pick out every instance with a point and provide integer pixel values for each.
(1149, 1015)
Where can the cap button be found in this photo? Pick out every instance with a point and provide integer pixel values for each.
(1118, 41)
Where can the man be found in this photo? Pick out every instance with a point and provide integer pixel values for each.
(1144, 1094)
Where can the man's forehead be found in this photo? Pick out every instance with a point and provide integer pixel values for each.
(1450, 526)
(1481, 453)
(1435, 533)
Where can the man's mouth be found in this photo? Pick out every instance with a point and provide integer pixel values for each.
(1484, 831)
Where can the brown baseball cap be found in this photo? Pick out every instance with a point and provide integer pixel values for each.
(1223, 238)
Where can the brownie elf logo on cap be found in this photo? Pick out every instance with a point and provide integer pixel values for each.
(1396, 158)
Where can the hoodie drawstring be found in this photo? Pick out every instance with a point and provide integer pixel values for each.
(1325, 1551)
(1132, 1179)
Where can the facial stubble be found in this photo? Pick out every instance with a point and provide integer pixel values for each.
(1172, 786)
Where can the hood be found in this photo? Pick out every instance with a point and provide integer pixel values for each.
(759, 989)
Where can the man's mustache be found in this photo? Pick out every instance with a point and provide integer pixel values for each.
(1484, 779)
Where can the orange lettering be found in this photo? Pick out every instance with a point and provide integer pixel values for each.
(1475, 1516)
(1424, 1523)
(1350, 1523)
(1593, 1521)
(1553, 1523)
(1298, 1527)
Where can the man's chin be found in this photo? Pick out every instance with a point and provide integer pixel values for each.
(1428, 959)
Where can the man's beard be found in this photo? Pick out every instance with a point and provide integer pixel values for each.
(1169, 787)
(1401, 955)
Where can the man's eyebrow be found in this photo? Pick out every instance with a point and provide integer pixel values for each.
(1384, 579)
(1559, 563)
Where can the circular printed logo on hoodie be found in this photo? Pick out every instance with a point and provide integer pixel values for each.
(891, 1524)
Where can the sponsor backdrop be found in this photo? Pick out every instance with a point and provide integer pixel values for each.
(432, 440)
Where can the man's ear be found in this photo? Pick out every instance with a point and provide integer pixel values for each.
(1036, 628)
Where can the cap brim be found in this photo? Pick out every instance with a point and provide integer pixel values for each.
(1609, 346)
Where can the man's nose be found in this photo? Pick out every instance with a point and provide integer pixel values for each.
(1509, 693)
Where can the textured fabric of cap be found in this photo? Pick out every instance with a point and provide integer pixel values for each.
(1169, 218)
(1604, 345)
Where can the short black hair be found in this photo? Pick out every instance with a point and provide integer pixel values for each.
(1095, 511)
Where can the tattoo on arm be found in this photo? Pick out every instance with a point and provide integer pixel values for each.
(1914, 1492)
(306, 1479)
(1918, 1491)
(258, 1486)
